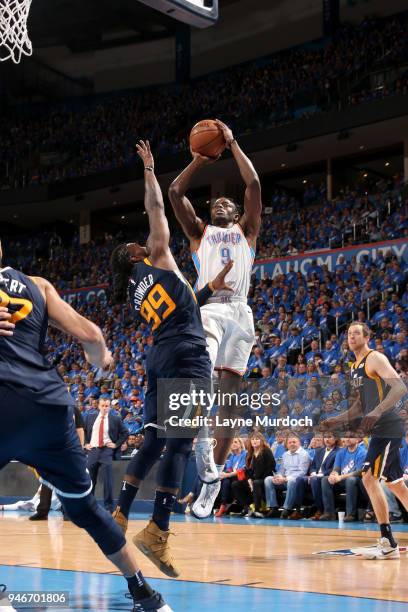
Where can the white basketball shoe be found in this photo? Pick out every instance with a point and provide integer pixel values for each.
(383, 550)
(208, 474)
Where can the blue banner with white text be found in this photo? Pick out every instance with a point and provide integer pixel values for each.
(331, 258)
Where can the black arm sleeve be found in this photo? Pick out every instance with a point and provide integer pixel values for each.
(203, 295)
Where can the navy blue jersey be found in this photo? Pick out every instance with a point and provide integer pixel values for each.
(23, 364)
(372, 390)
(164, 299)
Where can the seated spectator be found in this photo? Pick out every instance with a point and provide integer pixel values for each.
(322, 465)
(346, 476)
(279, 448)
(134, 442)
(312, 403)
(339, 403)
(257, 361)
(235, 462)
(309, 330)
(314, 350)
(295, 462)
(299, 411)
(259, 464)
(277, 349)
(282, 368)
(329, 411)
(321, 368)
(293, 344)
(315, 443)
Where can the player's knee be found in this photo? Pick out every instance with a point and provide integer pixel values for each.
(132, 480)
(81, 510)
(394, 485)
(85, 512)
(367, 475)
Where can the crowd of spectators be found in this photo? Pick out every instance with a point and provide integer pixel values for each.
(78, 138)
(270, 477)
(300, 320)
(359, 214)
(365, 212)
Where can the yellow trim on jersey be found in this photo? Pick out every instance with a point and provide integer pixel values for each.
(357, 363)
(36, 474)
(376, 378)
(147, 262)
(377, 466)
(378, 382)
(192, 291)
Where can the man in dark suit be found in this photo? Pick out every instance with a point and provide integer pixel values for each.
(322, 465)
(104, 435)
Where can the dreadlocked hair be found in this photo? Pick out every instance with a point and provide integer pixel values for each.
(121, 265)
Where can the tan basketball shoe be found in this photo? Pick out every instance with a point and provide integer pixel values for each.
(153, 542)
(120, 519)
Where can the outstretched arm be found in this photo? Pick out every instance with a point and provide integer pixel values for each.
(251, 219)
(184, 211)
(159, 236)
(64, 317)
(218, 284)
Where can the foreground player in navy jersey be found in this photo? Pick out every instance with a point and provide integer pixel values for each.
(378, 388)
(38, 427)
(160, 295)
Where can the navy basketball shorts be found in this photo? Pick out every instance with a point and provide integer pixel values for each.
(175, 360)
(43, 436)
(383, 457)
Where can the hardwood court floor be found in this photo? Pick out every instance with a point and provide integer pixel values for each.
(262, 554)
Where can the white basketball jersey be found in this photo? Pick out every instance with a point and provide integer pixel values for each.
(217, 247)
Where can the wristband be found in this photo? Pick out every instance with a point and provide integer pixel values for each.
(149, 168)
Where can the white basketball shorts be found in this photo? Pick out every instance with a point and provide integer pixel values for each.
(230, 334)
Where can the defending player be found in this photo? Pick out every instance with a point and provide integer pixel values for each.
(38, 427)
(227, 319)
(379, 389)
(160, 295)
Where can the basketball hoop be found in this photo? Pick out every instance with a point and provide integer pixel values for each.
(14, 40)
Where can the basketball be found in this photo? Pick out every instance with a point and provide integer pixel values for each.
(207, 139)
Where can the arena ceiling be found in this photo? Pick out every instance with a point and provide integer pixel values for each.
(91, 25)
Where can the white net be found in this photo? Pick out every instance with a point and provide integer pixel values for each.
(14, 40)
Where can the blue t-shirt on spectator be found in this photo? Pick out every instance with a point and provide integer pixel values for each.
(347, 461)
(235, 462)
